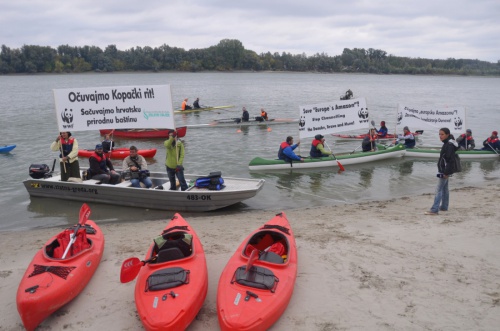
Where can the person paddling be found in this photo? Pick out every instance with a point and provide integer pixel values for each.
(184, 105)
(382, 132)
(317, 147)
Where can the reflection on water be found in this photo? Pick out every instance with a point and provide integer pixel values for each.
(365, 178)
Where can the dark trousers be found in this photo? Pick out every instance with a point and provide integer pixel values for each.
(72, 170)
(172, 173)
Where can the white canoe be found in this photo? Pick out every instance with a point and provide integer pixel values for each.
(433, 153)
(234, 122)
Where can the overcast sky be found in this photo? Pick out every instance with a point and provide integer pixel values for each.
(434, 29)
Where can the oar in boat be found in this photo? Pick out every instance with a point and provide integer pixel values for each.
(84, 216)
(131, 267)
(494, 150)
(254, 256)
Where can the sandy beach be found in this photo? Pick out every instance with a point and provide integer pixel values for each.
(380, 265)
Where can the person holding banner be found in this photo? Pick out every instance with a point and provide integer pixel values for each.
(68, 148)
(465, 141)
(317, 147)
(491, 143)
(369, 142)
(445, 167)
(408, 137)
(286, 151)
(101, 168)
(173, 163)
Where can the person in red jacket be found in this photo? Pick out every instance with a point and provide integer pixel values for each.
(101, 168)
(491, 143)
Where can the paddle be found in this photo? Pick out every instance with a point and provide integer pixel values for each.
(494, 150)
(241, 122)
(84, 216)
(253, 257)
(341, 167)
(355, 149)
(267, 126)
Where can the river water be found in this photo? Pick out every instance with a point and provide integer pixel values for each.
(28, 120)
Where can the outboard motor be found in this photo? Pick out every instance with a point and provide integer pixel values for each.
(38, 171)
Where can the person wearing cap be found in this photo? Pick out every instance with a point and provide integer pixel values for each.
(174, 159)
(286, 151)
(196, 103)
(136, 164)
(101, 168)
(491, 143)
(465, 141)
(382, 132)
(408, 137)
(67, 146)
(184, 105)
(317, 147)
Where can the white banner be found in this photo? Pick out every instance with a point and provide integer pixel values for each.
(119, 107)
(333, 117)
(417, 118)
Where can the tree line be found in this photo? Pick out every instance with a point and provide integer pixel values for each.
(227, 55)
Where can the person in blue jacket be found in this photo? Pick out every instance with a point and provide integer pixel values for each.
(382, 132)
(286, 151)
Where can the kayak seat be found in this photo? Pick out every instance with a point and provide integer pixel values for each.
(167, 278)
(271, 257)
(169, 254)
(256, 277)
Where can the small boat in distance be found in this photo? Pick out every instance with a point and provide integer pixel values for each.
(389, 136)
(196, 110)
(119, 153)
(143, 133)
(236, 122)
(6, 148)
(434, 152)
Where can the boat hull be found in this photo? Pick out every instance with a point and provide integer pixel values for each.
(53, 292)
(433, 153)
(345, 159)
(143, 133)
(232, 122)
(237, 310)
(197, 110)
(7, 148)
(173, 313)
(119, 153)
(194, 199)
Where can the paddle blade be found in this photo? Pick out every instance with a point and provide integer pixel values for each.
(130, 269)
(373, 123)
(253, 257)
(181, 132)
(238, 131)
(84, 214)
(341, 167)
(269, 129)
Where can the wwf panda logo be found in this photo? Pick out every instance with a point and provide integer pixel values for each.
(363, 113)
(400, 117)
(302, 121)
(458, 122)
(67, 115)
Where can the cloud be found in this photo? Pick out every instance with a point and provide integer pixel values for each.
(425, 29)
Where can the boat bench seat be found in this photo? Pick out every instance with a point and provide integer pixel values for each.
(256, 277)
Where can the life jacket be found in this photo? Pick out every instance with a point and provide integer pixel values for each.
(462, 142)
(315, 152)
(410, 143)
(101, 160)
(183, 107)
(492, 140)
(282, 155)
(81, 243)
(67, 146)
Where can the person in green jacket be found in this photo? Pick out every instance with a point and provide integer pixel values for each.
(173, 163)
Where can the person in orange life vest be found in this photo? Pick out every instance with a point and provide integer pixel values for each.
(68, 148)
(101, 167)
(184, 105)
(368, 143)
(492, 142)
(382, 132)
(465, 141)
(286, 151)
(317, 147)
(263, 114)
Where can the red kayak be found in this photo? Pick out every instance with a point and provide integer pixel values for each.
(257, 283)
(144, 133)
(119, 153)
(54, 278)
(363, 136)
(173, 281)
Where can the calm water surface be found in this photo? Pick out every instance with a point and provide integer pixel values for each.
(28, 120)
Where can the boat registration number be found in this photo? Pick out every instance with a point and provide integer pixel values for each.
(199, 197)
